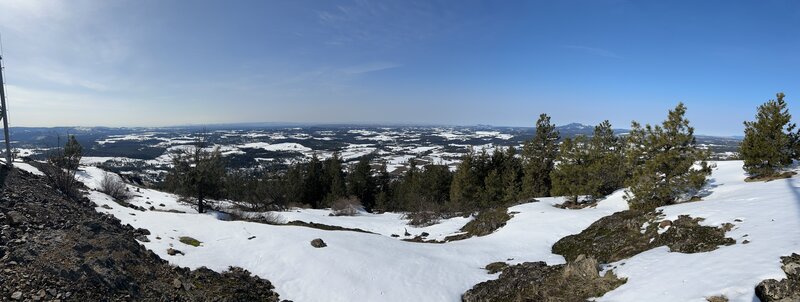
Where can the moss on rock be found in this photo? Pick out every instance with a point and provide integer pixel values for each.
(190, 241)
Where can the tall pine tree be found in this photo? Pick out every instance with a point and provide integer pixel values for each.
(668, 164)
(539, 155)
(466, 186)
(333, 179)
(361, 183)
(512, 177)
(570, 177)
(591, 167)
(768, 141)
(606, 152)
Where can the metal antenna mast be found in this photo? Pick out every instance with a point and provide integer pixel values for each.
(4, 114)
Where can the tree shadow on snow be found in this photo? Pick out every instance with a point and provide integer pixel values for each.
(707, 189)
(796, 191)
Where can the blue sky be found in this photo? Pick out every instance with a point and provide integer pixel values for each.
(155, 63)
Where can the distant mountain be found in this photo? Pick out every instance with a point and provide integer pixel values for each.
(573, 129)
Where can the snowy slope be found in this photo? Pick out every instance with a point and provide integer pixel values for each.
(770, 220)
(354, 266)
(376, 267)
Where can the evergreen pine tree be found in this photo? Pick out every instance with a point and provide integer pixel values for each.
(466, 187)
(768, 141)
(333, 179)
(292, 185)
(668, 165)
(539, 155)
(512, 176)
(313, 182)
(570, 177)
(198, 174)
(607, 168)
(73, 152)
(383, 200)
(361, 183)
(434, 185)
(492, 194)
(590, 167)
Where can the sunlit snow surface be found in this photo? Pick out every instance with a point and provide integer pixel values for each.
(770, 215)
(377, 267)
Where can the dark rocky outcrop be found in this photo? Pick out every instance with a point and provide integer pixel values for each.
(784, 290)
(54, 247)
(536, 281)
(621, 236)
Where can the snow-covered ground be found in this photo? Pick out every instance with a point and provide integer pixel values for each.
(376, 267)
(770, 220)
(354, 266)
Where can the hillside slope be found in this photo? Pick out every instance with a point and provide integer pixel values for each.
(56, 248)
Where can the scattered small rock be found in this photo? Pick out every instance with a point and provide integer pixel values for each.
(15, 218)
(251, 237)
(745, 241)
(173, 252)
(318, 243)
(424, 234)
(142, 238)
(727, 226)
(719, 298)
(665, 224)
(16, 296)
(395, 235)
(176, 283)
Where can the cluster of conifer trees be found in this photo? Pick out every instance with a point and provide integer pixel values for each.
(660, 164)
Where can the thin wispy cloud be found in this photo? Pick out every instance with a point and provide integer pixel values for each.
(369, 67)
(594, 51)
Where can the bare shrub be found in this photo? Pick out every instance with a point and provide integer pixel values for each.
(422, 218)
(346, 206)
(114, 187)
(65, 162)
(265, 217)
